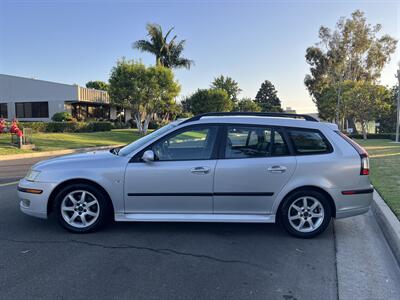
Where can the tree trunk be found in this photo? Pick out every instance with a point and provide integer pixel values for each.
(352, 124)
(138, 120)
(338, 100)
(364, 129)
(146, 124)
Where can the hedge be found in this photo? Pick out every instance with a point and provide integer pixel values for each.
(67, 126)
(389, 136)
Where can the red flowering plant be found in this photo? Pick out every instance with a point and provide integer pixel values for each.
(14, 129)
(2, 125)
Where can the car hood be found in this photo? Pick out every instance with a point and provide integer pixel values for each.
(74, 158)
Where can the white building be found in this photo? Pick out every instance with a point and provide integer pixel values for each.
(37, 100)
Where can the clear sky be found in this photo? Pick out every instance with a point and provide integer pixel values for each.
(77, 41)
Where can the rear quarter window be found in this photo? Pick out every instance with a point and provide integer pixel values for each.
(308, 142)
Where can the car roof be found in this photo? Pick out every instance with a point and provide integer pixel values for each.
(260, 120)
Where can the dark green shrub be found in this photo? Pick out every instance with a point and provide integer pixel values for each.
(97, 126)
(120, 125)
(389, 136)
(35, 126)
(62, 117)
(155, 124)
(66, 126)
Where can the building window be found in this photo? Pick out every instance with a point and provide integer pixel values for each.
(3, 110)
(84, 111)
(32, 109)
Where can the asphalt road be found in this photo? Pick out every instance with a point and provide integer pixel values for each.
(38, 259)
(13, 170)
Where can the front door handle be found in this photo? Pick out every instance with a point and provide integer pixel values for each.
(277, 169)
(200, 170)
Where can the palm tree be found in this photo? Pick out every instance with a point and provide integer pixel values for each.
(168, 54)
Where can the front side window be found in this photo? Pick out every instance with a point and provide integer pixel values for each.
(245, 142)
(146, 139)
(308, 142)
(196, 143)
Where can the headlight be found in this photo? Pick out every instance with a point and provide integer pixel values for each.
(32, 175)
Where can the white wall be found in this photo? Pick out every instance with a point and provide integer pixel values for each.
(21, 89)
(18, 89)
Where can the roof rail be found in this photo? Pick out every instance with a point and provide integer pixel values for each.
(257, 114)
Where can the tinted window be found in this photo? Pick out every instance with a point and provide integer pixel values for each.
(279, 147)
(244, 142)
(32, 109)
(193, 144)
(3, 110)
(308, 142)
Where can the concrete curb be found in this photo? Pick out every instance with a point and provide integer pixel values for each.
(389, 224)
(54, 153)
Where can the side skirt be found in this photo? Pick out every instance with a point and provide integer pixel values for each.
(227, 218)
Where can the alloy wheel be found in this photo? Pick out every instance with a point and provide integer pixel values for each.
(306, 214)
(80, 208)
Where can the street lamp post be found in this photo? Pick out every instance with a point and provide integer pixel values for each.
(398, 106)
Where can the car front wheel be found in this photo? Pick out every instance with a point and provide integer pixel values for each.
(306, 213)
(82, 208)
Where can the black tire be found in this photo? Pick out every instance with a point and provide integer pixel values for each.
(294, 197)
(104, 207)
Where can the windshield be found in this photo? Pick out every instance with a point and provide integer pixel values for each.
(140, 142)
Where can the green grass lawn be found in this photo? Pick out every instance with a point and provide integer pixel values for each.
(385, 173)
(57, 141)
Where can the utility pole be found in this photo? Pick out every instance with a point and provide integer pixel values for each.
(398, 106)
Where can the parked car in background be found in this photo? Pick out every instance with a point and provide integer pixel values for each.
(217, 167)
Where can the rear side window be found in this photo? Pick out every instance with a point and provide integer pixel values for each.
(248, 141)
(308, 142)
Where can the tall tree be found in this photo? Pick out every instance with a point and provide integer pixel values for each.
(267, 98)
(247, 105)
(167, 53)
(97, 84)
(352, 51)
(208, 100)
(364, 100)
(142, 89)
(227, 84)
(387, 116)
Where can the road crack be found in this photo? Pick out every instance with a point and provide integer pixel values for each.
(161, 251)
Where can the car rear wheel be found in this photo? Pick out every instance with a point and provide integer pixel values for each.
(82, 208)
(305, 213)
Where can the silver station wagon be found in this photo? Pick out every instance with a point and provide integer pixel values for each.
(216, 167)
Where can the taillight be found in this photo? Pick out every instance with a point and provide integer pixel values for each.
(364, 165)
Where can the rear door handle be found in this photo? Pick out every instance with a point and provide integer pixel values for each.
(200, 170)
(277, 169)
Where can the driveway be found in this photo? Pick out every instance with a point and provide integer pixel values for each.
(351, 260)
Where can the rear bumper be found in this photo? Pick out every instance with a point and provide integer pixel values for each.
(34, 204)
(348, 205)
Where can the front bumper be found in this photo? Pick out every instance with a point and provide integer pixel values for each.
(34, 204)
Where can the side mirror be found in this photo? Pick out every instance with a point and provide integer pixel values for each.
(148, 156)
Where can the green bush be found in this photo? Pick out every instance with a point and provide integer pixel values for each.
(120, 125)
(67, 126)
(389, 136)
(97, 126)
(62, 117)
(35, 126)
(155, 124)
